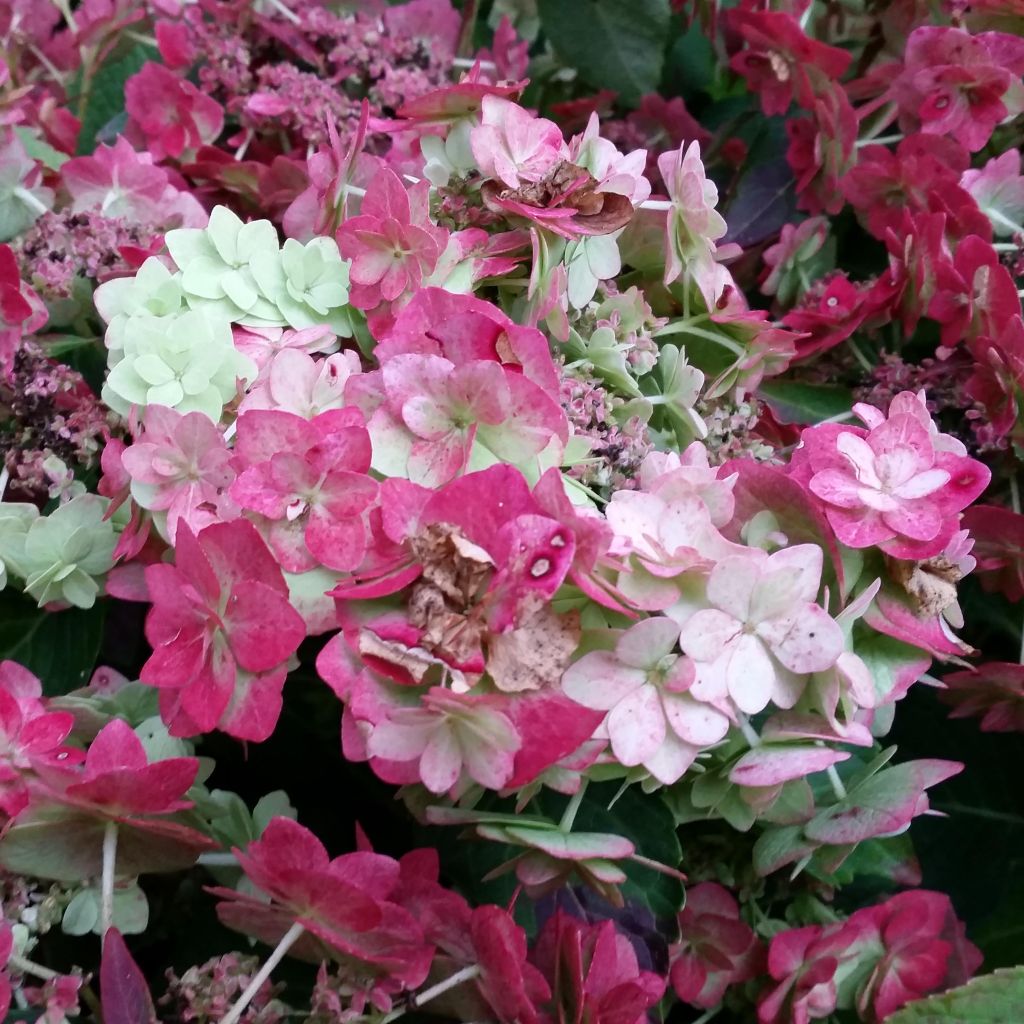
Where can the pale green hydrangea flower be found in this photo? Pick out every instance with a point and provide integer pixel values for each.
(188, 362)
(308, 283)
(214, 263)
(60, 557)
(154, 291)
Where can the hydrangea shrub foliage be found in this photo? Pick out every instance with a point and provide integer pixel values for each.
(503, 506)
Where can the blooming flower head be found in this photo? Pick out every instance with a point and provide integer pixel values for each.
(172, 114)
(120, 182)
(513, 145)
(764, 631)
(346, 905)
(392, 245)
(898, 484)
(644, 686)
(717, 948)
(222, 630)
(186, 362)
(179, 465)
(594, 973)
(308, 478)
(60, 556)
(958, 84)
(452, 737)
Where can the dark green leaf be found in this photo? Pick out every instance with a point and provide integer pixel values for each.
(795, 402)
(59, 647)
(613, 45)
(648, 824)
(105, 97)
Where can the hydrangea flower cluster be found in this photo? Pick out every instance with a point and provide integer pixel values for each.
(608, 487)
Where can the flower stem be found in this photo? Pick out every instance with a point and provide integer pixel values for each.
(569, 815)
(287, 941)
(26, 966)
(466, 974)
(109, 864)
(880, 140)
(837, 783)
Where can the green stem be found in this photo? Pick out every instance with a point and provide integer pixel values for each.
(569, 815)
(26, 966)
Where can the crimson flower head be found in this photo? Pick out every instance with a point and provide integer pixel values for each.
(780, 62)
(717, 947)
(804, 963)
(118, 779)
(511, 986)
(993, 692)
(594, 973)
(170, 112)
(29, 734)
(346, 906)
(60, 833)
(953, 83)
(222, 630)
(821, 151)
(999, 548)
(925, 950)
(21, 310)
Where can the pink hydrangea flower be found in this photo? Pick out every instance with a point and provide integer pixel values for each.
(432, 415)
(899, 485)
(594, 973)
(924, 951)
(453, 737)
(613, 171)
(262, 344)
(21, 309)
(28, 734)
(222, 630)
(172, 115)
(764, 632)
(393, 244)
(717, 948)
(309, 480)
(511, 986)
(953, 83)
(693, 225)
(998, 188)
(644, 685)
(805, 963)
(180, 465)
(347, 906)
(118, 779)
(512, 145)
(293, 381)
(120, 182)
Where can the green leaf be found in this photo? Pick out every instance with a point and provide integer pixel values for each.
(105, 98)
(646, 821)
(613, 45)
(59, 647)
(795, 402)
(993, 999)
